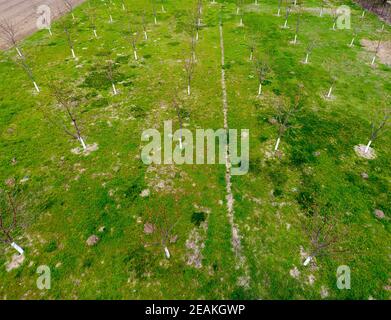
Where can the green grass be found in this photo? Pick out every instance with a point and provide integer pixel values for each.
(68, 197)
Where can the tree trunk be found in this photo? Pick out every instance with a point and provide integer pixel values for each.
(81, 140)
(277, 144)
(73, 54)
(330, 91)
(307, 261)
(167, 253)
(95, 34)
(135, 55)
(260, 89)
(36, 86)
(114, 89)
(17, 248)
(306, 58)
(368, 146)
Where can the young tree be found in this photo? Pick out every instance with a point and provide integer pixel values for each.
(279, 8)
(91, 13)
(163, 9)
(261, 69)
(189, 68)
(178, 112)
(160, 226)
(310, 47)
(65, 112)
(323, 230)
(69, 6)
(288, 10)
(285, 113)
(23, 63)
(240, 12)
(376, 129)
(332, 84)
(251, 45)
(144, 24)
(9, 219)
(154, 11)
(123, 5)
(134, 37)
(111, 75)
(64, 25)
(297, 25)
(8, 33)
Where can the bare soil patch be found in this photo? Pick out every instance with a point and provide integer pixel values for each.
(384, 53)
(23, 14)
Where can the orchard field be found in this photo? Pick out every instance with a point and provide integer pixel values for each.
(109, 226)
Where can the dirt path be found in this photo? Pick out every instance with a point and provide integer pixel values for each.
(236, 244)
(23, 14)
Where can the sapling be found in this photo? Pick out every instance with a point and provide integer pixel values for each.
(163, 9)
(22, 61)
(159, 226)
(9, 214)
(351, 44)
(288, 9)
(284, 116)
(310, 47)
(321, 228)
(333, 81)
(65, 111)
(144, 24)
(123, 5)
(8, 33)
(154, 11)
(189, 68)
(111, 75)
(321, 9)
(178, 112)
(376, 129)
(335, 18)
(251, 46)
(279, 8)
(134, 39)
(261, 70)
(64, 26)
(92, 17)
(297, 27)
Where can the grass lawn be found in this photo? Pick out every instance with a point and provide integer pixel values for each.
(65, 197)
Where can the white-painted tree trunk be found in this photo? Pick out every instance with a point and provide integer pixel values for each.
(95, 34)
(306, 57)
(368, 146)
(330, 91)
(307, 261)
(334, 26)
(180, 143)
(123, 7)
(373, 60)
(167, 253)
(188, 90)
(241, 22)
(50, 31)
(73, 54)
(155, 20)
(321, 12)
(18, 51)
(260, 89)
(251, 56)
(114, 89)
(73, 16)
(17, 248)
(197, 36)
(145, 35)
(83, 144)
(135, 55)
(352, 42)
(163, 10)
(363, 14)
(286, 23)
(111, 19)
(295, 39)
(277, 144)
(237, 11)
(278, 12)
(36, 86)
